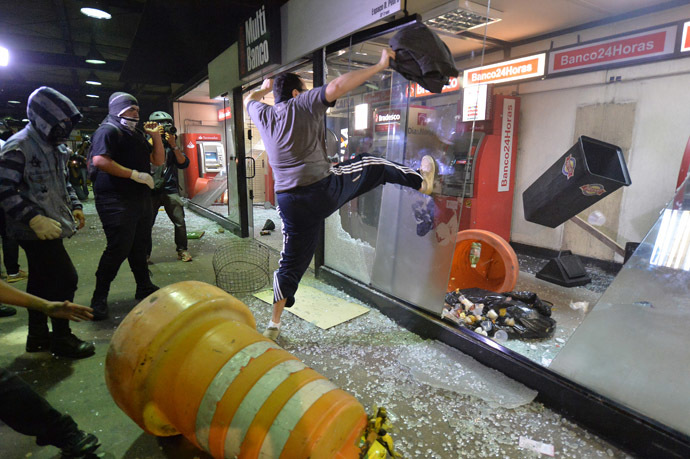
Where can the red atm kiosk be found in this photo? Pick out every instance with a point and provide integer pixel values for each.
(484, 167)
(207, 159)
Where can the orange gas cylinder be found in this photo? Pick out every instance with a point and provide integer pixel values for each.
(188, 360)
(496, 269)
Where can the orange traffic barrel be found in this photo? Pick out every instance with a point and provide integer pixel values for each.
(188, 360)
(496, 268)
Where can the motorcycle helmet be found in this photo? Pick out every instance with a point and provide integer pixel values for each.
(161, 117)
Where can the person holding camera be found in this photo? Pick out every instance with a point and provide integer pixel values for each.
(166, 184)
(121, 157)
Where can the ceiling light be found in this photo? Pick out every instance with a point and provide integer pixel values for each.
(93, 80)
(95, 11)
(4, 56)
(460, 15)
(93, 96)
(94, 57)
(25, 120)
(13, 102)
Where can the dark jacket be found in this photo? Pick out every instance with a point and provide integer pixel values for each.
(421, 56)
(165, 176)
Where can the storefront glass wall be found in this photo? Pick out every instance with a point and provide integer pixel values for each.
(627, 346)
(206, 132)
(392, 238)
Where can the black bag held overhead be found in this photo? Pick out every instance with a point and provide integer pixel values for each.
(421, 56)
(588, 172)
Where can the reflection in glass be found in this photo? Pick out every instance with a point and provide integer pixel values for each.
(671, 247)
(633, 346)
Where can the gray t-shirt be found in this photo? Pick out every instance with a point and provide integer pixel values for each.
(293, 133)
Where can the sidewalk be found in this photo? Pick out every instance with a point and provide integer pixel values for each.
(442, 404)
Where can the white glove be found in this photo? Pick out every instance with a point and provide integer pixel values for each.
(45, 228)
(142, 177)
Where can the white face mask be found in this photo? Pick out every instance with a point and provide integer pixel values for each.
(129, 123)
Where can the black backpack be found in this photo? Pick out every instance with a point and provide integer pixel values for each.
(90, 168)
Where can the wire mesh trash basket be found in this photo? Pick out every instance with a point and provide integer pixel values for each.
(241, 266)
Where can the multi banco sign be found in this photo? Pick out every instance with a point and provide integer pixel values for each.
(259, 41)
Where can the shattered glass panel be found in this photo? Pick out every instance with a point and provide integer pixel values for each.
(633, 346)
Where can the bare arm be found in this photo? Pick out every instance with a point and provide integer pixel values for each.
(351, 80)
(257, 95)
(58, 309)
(107, 165)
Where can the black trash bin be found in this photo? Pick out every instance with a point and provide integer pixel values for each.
(585, 174)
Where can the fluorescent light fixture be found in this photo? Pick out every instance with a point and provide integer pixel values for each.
(361, 116)
(4, 56)
(13, 102)
(94, 57)
(96, 13)
(93, 96)
(93, 80)
(460, 15)
(25, 120)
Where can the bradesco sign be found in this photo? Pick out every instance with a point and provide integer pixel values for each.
(517, 69)
(625, 49)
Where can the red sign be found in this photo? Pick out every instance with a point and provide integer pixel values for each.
(385, 120)
(208, 137)
(224, 114)
(516, 69)
(418, 91)
(685, 42)
(636, 47)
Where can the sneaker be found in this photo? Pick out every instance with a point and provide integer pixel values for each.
(21, 275)
(143, 292)
(428, 171)
(72, 347)
(99, 304)
(78, 444)
(6, 311)
(38, 343)
(272, 333)
(184, 255)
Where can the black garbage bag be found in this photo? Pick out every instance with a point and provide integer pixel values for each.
(531, 315)
(531, 299)
(269, 225)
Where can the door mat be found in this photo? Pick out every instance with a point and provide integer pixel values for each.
(321, 309)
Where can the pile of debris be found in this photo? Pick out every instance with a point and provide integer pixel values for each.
(501, 316)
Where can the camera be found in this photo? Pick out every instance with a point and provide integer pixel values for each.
(169, 129)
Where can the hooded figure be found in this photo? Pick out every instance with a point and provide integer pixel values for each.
(118, 103)
(51, 119)
(51, 114)
(42, 209)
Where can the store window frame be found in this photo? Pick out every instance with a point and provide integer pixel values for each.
(619, 424)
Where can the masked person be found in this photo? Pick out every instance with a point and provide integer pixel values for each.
(41, 209)
(166, 184)
(22, 408)
(308, 186)
(122, 187)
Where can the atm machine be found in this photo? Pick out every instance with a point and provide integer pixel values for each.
(207, 160)
(474, 190)
(480, 167)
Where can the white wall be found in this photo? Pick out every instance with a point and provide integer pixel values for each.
(197, 118)
(660, 131)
